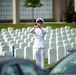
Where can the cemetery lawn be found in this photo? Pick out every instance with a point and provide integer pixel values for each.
(52, 25)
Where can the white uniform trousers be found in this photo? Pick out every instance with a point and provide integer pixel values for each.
(39, 56)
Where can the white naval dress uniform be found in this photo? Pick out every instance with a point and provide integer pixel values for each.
(39, 45)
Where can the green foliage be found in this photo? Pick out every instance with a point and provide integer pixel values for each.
(32, 3)
(70, 7)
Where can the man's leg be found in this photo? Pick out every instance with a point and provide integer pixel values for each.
(42, 57)
(38, 57)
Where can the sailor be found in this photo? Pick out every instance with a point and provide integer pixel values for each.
(39, 42)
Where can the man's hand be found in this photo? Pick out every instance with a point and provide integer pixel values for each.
(39, 26)
(35, 26)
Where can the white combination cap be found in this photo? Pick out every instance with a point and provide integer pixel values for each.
(39, 20)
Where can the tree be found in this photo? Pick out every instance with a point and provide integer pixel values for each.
(70, 11)
(33, 4)
(70, 8)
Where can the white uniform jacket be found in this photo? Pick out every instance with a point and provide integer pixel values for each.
(39, 37)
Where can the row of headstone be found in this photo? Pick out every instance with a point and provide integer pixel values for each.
(58, 41)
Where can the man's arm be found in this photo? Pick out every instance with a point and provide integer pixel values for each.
(43, 31)
(32, 30)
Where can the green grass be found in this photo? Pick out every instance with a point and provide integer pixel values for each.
(72, 25)
(15, 26)
(46, 62)
(20, 26)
